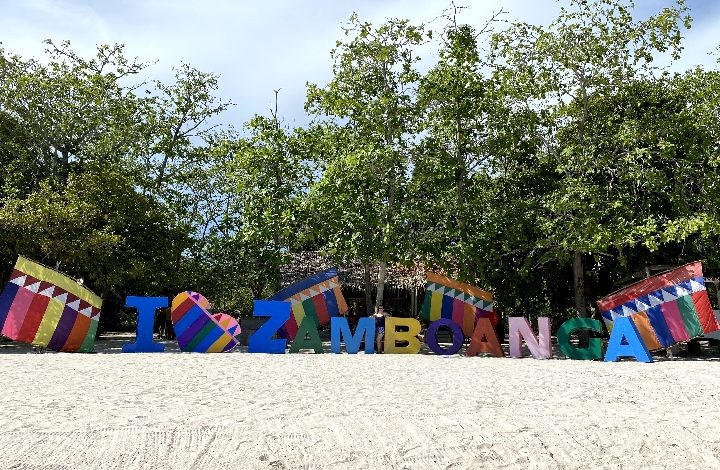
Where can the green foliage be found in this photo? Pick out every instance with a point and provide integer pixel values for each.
(265, 176)
(98, 226)
(349, 214)
(372, 96)
(100, 181)
(569, 73)
(563, 160)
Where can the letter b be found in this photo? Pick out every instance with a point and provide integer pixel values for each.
(392, 335)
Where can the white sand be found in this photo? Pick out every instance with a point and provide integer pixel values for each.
(237, 410)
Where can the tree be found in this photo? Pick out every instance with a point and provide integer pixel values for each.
(455, 157)
(372, 96)
(593, 49)
(266, 178)
(82, 148)
(96, 227)
(346, 206)
(71, 112)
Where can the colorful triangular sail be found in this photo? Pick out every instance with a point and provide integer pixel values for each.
(42, 307)
(318, 296)
(462, 303)
(668, 308)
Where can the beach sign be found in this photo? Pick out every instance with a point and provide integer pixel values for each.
(48, 309)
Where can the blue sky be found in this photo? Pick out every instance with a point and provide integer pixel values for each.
(259, 46)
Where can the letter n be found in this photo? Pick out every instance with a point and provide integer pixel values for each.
(540, 347)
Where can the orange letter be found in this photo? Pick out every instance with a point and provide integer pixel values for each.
(485, 340)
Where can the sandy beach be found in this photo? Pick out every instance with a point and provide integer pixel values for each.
(237, 410)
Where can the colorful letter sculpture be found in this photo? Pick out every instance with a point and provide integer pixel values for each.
(340, 329)
(456, 301)
(457, 337)
(318, 297)
(392, 335)
(262, 340)
(666, 309)
(146, 308)
(485, 340)
(45, 308)
(540, 347)
(307, 337)
(197, 329)
(625, 341)
(592, 352)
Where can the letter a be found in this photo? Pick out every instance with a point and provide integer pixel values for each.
(307, 327)
(484, 339)
(624, 329)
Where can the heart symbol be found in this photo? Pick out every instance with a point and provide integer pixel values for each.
(198, 330)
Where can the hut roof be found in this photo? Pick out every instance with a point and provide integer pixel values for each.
(307, 263)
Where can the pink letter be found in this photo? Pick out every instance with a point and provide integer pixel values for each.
(540, 347)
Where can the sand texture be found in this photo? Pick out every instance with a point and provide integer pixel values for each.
(237, 410)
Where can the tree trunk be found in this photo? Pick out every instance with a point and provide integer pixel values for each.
(368, 290)
(382, 274)
(64, 164)
(466, 265)
(382, 271)
(580, 304)
(579, 281)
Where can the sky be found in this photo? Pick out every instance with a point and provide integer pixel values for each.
(260, 46)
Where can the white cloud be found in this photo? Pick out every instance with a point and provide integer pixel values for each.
(27, 24)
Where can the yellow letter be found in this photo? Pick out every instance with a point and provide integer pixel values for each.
(392, 336)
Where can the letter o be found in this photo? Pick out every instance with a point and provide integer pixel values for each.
(457, 337)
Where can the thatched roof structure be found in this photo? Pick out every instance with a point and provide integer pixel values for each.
(307, 263)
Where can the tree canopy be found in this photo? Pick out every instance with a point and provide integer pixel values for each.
(546, 163)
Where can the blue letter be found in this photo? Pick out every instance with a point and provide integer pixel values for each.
(146, 307)
(624, 329)
(262, 340)
(457, 337)
(339, 328)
